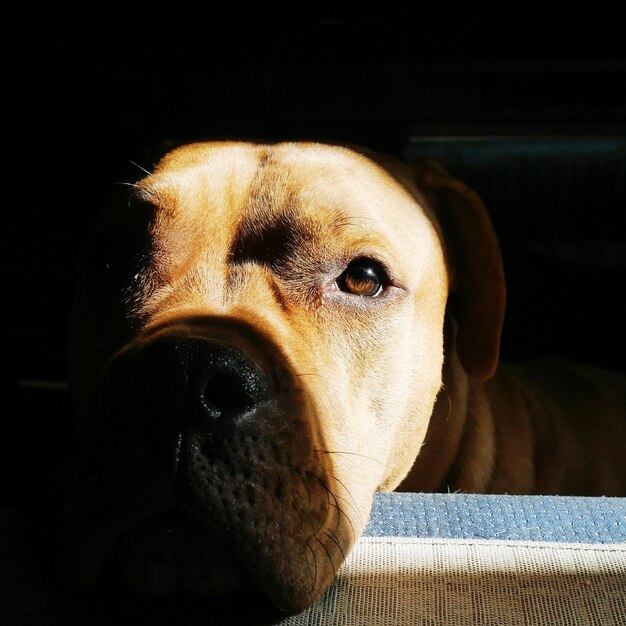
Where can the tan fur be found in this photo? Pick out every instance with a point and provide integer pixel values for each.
(382, 409)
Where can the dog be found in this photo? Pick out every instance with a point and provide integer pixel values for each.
(264, 335)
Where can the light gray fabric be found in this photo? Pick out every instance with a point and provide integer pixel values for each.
(446, 582)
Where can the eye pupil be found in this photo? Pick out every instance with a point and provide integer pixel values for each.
(361, 278)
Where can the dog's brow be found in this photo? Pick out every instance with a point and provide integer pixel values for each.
(273, 239)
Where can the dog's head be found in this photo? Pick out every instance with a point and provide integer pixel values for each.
(256, 348)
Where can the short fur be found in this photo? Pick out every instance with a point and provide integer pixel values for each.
(243, 245)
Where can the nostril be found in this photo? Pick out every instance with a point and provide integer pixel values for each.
(224, 393)
(228, 383)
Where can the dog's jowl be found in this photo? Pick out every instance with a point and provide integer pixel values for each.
(265, 335)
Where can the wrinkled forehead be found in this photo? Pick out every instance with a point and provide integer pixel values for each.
(250, 182)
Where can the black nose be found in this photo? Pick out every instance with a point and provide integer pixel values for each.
(175, 425)
(179, 389)
(211, 383)
(222, 383)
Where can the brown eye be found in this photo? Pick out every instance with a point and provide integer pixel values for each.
(363, 277)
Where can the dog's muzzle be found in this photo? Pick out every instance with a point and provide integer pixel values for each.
(200, 472)
(190, 408)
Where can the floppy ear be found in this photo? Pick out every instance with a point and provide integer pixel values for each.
(478, 290)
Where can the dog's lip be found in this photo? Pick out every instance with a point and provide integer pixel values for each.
(246, 605)
(170, 553)
(209, 571)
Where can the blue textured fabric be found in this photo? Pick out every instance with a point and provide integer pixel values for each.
(515, 518)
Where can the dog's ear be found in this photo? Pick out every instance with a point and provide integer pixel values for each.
(478, 289)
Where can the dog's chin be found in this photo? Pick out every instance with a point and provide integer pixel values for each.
(169, 554)
(133, 601)
(166, 567)
(170, 557)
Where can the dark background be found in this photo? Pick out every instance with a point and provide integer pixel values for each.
(528, 106)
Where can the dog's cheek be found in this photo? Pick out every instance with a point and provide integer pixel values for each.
(412, 384)
(359, 393)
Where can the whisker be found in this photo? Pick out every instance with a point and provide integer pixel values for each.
(121, 182)
(340, 511)
(303, 553)
(353, 504)
(331, 535)
(328, 555)
(143, 169)
(315, 572)
(346, 452)
(306, 519)
(329, 494)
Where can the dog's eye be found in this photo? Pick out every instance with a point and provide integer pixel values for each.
(363, 277)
